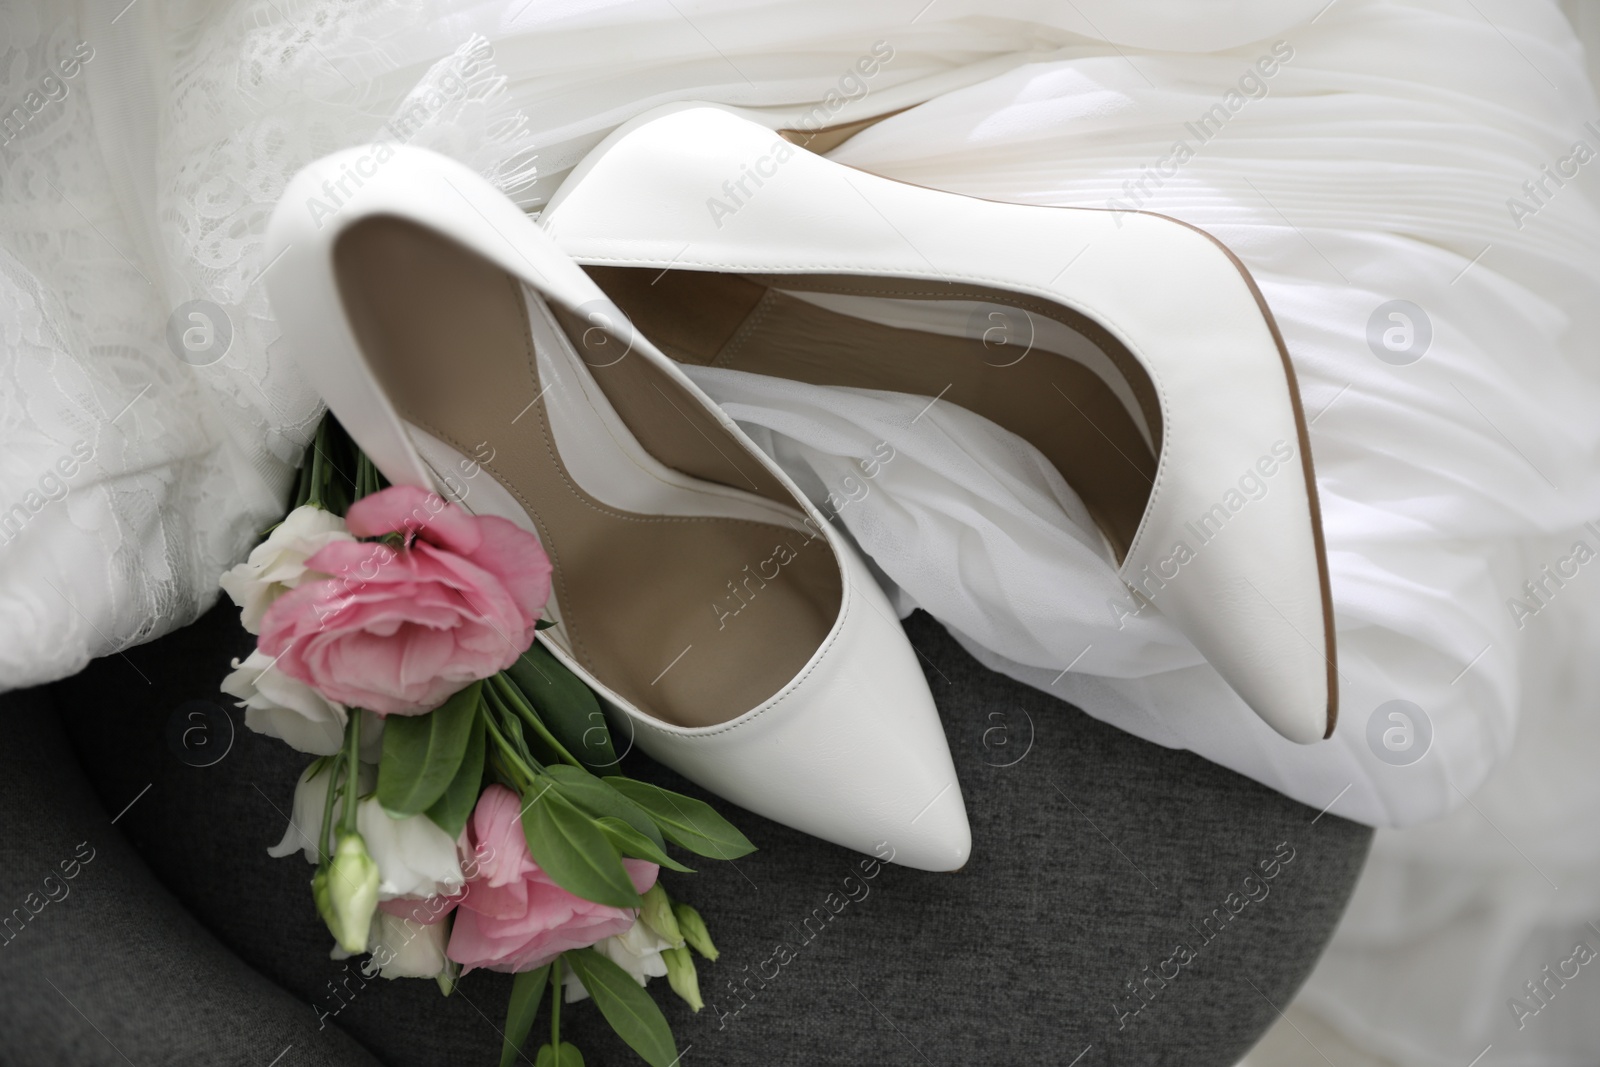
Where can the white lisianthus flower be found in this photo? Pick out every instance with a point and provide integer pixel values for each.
(305, 820)
(405, 948)
(288, 709)
(415, 857)
(278, 564)
(638, 952)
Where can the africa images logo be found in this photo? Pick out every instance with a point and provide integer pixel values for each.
(1253, 484)
(851, 86)
(1252, 85)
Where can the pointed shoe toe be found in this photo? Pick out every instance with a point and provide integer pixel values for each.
(851, 751)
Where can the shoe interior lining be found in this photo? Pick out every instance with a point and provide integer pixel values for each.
(1105, 448)
(694, 620)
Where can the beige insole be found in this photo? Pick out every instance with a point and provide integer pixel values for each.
(1057, 404)
(694, 620)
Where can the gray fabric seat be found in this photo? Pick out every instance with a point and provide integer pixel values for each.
(1124, 903)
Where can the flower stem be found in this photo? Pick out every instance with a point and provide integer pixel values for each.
(314, 483)
(514, 699)
(511, 726)
(366, 484)
(352, 758)
(555, 1005)
(506, 747)
(302, 486)
(335, 762)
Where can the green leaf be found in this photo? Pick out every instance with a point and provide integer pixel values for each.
(527, 993)
(631, 842)
(572, 850)
(597, 798)
(691, 823)
(452, 810)
(545, 624)
(631, 1011)
(565, 1056)
(566, 706)
(421, 753)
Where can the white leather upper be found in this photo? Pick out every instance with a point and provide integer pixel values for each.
(1248, 591)
(851, 749)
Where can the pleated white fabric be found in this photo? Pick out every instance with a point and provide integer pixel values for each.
(1348, 181)
(1420, 151)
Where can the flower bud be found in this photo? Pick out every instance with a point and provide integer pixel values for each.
(693, 929)
(319, 894)
(352, 891)
(448, 977)
(657, 915)
(513, 728)
(682, 976)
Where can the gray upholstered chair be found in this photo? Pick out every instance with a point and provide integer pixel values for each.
(1125, 903)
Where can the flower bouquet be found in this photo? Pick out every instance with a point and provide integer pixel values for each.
(464, 810)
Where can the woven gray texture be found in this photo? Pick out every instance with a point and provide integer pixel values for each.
(1095, 857)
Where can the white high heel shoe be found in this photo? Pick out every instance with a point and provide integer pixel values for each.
(1160, 387)
(727, 625)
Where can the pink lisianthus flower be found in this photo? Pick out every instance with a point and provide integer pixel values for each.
(512, 917)
(397, 630)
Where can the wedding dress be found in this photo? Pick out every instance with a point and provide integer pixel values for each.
(1421, 152)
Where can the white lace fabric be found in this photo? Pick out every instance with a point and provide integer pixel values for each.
(142, 149)
(136, 183)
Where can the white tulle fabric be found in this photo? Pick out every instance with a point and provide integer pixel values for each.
(1376, 167)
